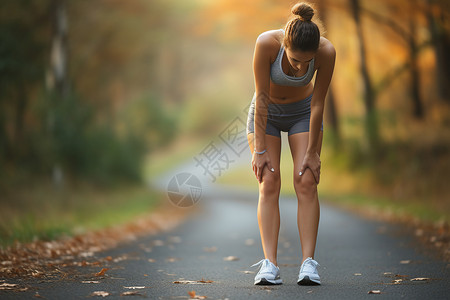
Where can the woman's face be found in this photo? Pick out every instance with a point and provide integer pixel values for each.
(299, 59)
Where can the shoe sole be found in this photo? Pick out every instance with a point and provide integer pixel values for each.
(264, 281)
(307, 281)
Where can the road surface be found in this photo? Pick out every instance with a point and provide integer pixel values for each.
(221, 241)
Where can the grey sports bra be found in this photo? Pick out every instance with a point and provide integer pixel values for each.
(279, 77)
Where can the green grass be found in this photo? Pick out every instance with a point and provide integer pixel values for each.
(42, 212)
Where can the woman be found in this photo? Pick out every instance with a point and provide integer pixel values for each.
(285, 99)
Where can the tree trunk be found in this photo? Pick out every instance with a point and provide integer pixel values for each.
(371, 122)
(441, 45)
(330, 107)
(58, 83)
(58, 56)
(414, 70)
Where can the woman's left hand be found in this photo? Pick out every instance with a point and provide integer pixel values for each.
(311, 161)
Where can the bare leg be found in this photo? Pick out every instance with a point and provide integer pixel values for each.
(269, 192)
(305, 186)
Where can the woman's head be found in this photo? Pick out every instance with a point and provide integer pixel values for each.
(302, 34)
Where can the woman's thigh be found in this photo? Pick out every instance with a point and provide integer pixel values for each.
(298, 143)
(273, 147)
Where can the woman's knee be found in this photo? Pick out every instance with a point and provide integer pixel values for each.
(305, 184)
(271, 183)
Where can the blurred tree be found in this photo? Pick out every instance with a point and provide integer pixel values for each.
(411, 65)
(413, 61)
(330, 108)
(438, 23)
(57, 81)
(369, 95)
(21, 70)
(69, 118)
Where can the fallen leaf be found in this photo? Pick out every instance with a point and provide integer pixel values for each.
(100, 293)
(193, 281)
(90, 281)
(249, 242)
(151, 260)
(231, 258)
(108, 258)
(7, 286)
(420, 279)
(102, 272)
(37, 295)
(158, 243)
(387, 273)
(134, 287)
(210, 249)
(397, 281)
(247, 272)
(374, 292)
(194, 296)
(172, 259)
(86, 254)
(131, 293)
(404, 262)
(358, 274)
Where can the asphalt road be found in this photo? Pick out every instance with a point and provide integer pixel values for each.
(355, 257)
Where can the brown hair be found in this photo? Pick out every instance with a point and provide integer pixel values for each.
(301, 33)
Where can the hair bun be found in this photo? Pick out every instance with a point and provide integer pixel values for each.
(304, 11)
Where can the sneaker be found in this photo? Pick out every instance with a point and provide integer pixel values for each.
(268, 273)
(308, 273)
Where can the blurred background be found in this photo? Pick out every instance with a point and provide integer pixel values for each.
(97, 98)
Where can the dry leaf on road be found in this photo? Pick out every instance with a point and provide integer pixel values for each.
(231, 258)
(102, 272)
(420, 279)
(132, 293)
(99, 293)
(404, 262)
(210, 249)
(374, 292)
(203, 281)
(194, 296)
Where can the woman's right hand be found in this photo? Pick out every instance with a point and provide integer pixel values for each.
(259, 161)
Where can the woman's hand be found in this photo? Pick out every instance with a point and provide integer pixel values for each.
(259, 161)
(311, 161)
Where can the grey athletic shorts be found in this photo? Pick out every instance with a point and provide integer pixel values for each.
(288, 117)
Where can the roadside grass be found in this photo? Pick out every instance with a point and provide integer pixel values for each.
(42, 212)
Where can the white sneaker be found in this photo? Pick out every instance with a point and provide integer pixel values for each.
(308, 273)
(268, 273)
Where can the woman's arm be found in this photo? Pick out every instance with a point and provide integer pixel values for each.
(323, 78)
(261, 71)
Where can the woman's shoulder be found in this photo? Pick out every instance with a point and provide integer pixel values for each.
(326, 52)
(270, 41)
(326, 48)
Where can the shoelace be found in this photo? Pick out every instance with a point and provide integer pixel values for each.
(259, 263)
(310, 263)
